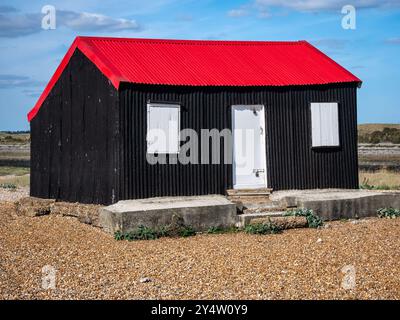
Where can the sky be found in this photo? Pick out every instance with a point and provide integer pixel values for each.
(30, 54)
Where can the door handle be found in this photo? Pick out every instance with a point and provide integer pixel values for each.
(258, 171)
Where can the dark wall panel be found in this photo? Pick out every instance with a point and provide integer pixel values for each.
(75, 137)
(140, 179)
(291, 162)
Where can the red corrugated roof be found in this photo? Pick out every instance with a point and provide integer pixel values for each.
(205, 63)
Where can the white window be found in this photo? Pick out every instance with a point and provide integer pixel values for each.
(163, 126)
(325, 124)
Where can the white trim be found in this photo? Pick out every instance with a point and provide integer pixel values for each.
(163, 105)
(325, 124)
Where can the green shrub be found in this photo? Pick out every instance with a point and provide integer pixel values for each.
(10, 186)
(219, 230)
(146, 233)
(187, 231)
(118, 235)
(163, 232)
(391, 135)
(313, 221)
(215, 230)
(262, 228)
(388, 213)
(142, 233)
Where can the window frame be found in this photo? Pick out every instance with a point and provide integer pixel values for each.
(163, 105)
(339, 144)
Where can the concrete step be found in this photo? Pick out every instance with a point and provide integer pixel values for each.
(199, 212)
(266, 205)
(263, 209)
(252, 200)
(257, 205)
(245, 219)
(249, 192)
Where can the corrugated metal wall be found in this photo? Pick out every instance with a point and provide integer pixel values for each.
(140, 179)
(74, 149)
(89, 144)
(291, 162)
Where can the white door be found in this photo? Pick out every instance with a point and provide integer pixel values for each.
(249, 165)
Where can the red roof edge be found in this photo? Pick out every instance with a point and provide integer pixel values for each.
(86, 50)
(332, 61)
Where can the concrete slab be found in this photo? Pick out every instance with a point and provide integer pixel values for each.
(246, 218)
(199, 212)
(331, 204)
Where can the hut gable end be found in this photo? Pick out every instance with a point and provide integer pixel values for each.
(75, 137)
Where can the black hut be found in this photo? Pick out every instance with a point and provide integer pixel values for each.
(90, 128)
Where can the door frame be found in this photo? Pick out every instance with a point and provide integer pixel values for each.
(263, 142)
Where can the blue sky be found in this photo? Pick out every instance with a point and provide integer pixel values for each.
(29, 55)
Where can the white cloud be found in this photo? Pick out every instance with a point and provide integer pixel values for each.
(21, 24)
(336, 44)
(326, 5)
(264, 13)
(12, 80)
(393, 40)
(7, 9)
(236, 13)
(86, 21)
(184, 17)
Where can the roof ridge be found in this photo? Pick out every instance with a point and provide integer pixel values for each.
(194, 41)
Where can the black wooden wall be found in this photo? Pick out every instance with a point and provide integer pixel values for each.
(291, 162)
(74, 149)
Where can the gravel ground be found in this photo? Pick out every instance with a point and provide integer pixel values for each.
(13, 195)
(297, 264)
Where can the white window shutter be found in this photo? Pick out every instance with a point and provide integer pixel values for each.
(163, 128)
(325, 124)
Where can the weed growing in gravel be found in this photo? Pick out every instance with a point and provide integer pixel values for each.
(313, 221)
(388, 213)
(187, 231)
(215, 230)
(262, 228)
(219, 230)
(146, 233)
(9, 186)
(141, 233)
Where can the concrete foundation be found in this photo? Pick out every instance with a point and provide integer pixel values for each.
(199, 212)
(332, 204)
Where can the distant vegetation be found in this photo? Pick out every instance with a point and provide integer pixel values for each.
(17, 137)
(367, 133)
(379, 133)
(16, 132)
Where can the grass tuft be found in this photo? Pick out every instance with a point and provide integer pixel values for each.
(9, 186)
(262, 228)
(388, 213)
(313, 220)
